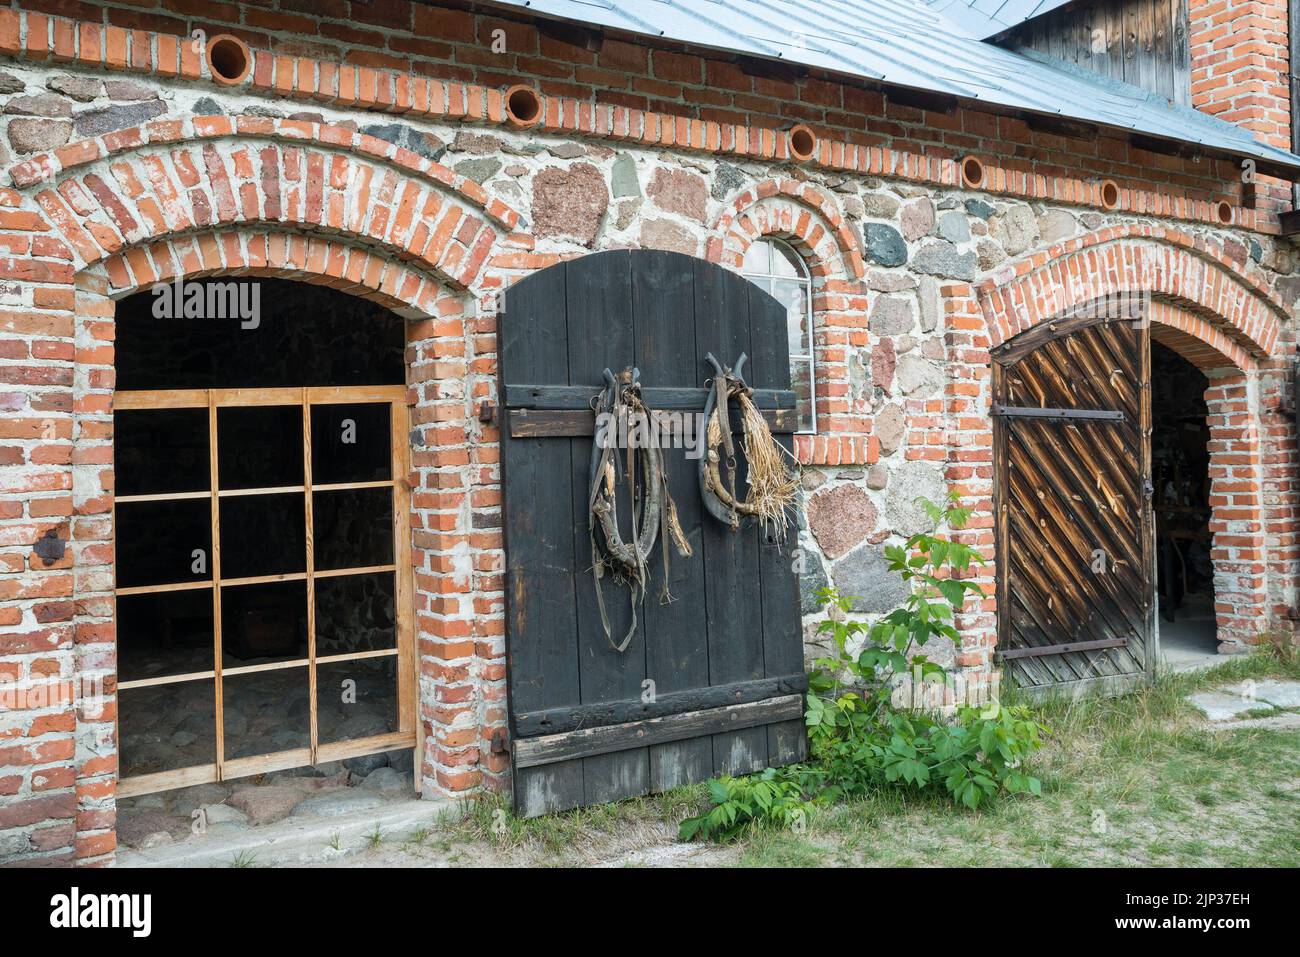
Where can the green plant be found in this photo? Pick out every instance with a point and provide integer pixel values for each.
(858, 739)
(767, 798)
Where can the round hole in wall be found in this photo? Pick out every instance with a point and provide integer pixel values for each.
(1223, 211)
(229, 59)
(972, 172)
(803, 142)
(523, 105)
(1109, 194)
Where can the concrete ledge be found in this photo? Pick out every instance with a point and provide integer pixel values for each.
(296, 841)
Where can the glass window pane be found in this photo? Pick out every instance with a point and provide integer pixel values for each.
(164, 633)
(263, 623)
(265, 712)
(350, 443)
(161, 450)
(794, 296)
(259, 446)
(756, 257)
(162, 543)
(353, 528)
(801, 381)
(165, 727)
(786, 262)
(355, 613)
(356, 699)
(263, 535)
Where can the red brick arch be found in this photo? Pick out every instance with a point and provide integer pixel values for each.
(446, 433)
(791, 210)
(134, 187)
(810, 221)
(1210, 297)
(1207, 304)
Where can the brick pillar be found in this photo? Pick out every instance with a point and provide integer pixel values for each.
(969, 469)
(1280, 464)
(459, 645)
(95, 657)
(487, 545)
(38, 723)
(1239, 551)
(1239, 58)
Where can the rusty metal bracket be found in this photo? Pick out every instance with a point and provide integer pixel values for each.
(500, 741)
(487, 411)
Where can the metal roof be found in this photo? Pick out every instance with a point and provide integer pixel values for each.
(987, 18)
(908, 44)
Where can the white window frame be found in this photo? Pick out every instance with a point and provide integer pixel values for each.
(765, 281)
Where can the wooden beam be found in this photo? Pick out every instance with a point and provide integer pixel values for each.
(530, 724)
(662, 399)
(1032, 412)
(575, 423)
(585, 743)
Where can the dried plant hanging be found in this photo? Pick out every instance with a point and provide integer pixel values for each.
(772, 481)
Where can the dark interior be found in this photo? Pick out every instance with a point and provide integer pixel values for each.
(304, 336)
(1180, 468)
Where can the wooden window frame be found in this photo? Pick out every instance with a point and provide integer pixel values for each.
(403, 576)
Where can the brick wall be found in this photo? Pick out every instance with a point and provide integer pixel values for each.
(1240, 65)
(398, 177)
(457, 44)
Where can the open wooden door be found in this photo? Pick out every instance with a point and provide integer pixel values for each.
(1071, 407)
(712, 682)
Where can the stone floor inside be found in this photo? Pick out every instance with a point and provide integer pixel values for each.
(1190, 641)
(185, 822)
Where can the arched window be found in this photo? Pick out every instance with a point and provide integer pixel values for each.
(776, 268)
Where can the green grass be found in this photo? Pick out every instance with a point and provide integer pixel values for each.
(1138, 780)
(1130, 781)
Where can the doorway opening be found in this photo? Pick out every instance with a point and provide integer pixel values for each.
(1180, 466)
(261, 533)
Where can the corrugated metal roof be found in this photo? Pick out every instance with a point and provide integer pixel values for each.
(908, 44)
(986, 18)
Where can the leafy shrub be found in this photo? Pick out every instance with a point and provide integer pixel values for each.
(858, 740)
(740, 803)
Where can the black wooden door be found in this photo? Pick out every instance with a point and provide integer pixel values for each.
(712, 682)
(1071, 439)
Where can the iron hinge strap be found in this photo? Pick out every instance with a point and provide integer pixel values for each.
(1032, 412)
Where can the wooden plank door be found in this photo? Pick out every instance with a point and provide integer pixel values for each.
(712, 681)
(1072, 496)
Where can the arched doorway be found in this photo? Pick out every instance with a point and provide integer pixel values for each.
(1075, 589)
(262, 572)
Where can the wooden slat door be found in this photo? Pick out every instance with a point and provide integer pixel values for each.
(712, 682)
(1072, 496)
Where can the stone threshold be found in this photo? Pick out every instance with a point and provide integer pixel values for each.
(299, 841)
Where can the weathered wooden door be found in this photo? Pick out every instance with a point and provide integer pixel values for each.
(712, 682)
(1071, 406)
